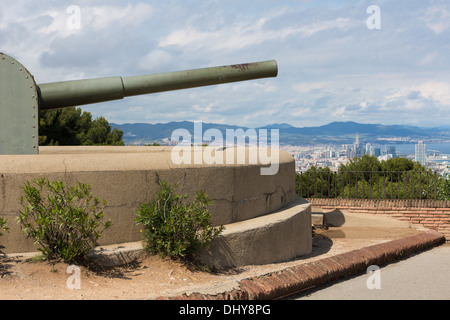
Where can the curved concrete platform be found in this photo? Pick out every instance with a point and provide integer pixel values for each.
(276, 237)
(125, 177)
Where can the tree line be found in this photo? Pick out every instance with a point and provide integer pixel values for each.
(369, 178)
(74, 127)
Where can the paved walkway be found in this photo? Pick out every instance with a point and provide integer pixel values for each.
(423, 276)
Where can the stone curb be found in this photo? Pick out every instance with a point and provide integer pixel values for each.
(294, 279)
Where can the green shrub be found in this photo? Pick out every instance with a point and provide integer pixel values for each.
(174, 229)
(3, 227)
(65, 222)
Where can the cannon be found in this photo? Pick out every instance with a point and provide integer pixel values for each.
(21, 98)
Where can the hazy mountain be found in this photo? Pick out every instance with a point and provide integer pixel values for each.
(334, 132)
(279, 126)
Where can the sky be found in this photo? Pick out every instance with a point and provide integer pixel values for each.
(373, 61)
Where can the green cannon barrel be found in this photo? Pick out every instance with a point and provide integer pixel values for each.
(81, 92)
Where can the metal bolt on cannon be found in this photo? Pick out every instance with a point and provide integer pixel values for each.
(21, 98)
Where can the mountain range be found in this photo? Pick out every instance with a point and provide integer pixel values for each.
(332, 133)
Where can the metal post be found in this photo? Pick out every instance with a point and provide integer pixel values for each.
(391, 187)
(420, 185)
(328, 184)
(435, 185)
(349, 185)
(321, 183)
(363, 193)
(307, 184)
(378, 186)
(406, 185)
(335, 185)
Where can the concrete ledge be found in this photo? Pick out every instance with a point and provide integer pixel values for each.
(297, 278)
(317, 218)
(107, 256)
(118, 255)
(276, 237)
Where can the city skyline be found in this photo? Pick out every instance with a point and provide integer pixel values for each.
(338, 60)
(333, 157)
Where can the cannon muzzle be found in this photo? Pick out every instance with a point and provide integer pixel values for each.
(82, 92)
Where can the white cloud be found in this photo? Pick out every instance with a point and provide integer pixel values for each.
(339, 111)
(340, 23)
(306, 87)
(437, 91)
(428, 59)
(208, 108)
(244, 34)
(432, 90)
(107, 16)
(265, 86)
(437, 18)
(156, 60)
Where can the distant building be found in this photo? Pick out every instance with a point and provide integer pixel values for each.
(369, 149)
(377, 152)
(421, 153)
(385, 157)
(391, 150)
(358, 151)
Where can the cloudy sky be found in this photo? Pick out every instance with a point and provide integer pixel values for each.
(338, 61)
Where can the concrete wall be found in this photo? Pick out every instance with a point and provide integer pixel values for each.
(125, 177)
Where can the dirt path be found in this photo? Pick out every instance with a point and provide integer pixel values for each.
(149, 278)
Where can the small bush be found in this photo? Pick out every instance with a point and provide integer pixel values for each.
(65, 222)
(174, 229)
(3, 227)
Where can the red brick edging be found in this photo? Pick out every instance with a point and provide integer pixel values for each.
(297, 278)
(430, 214)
